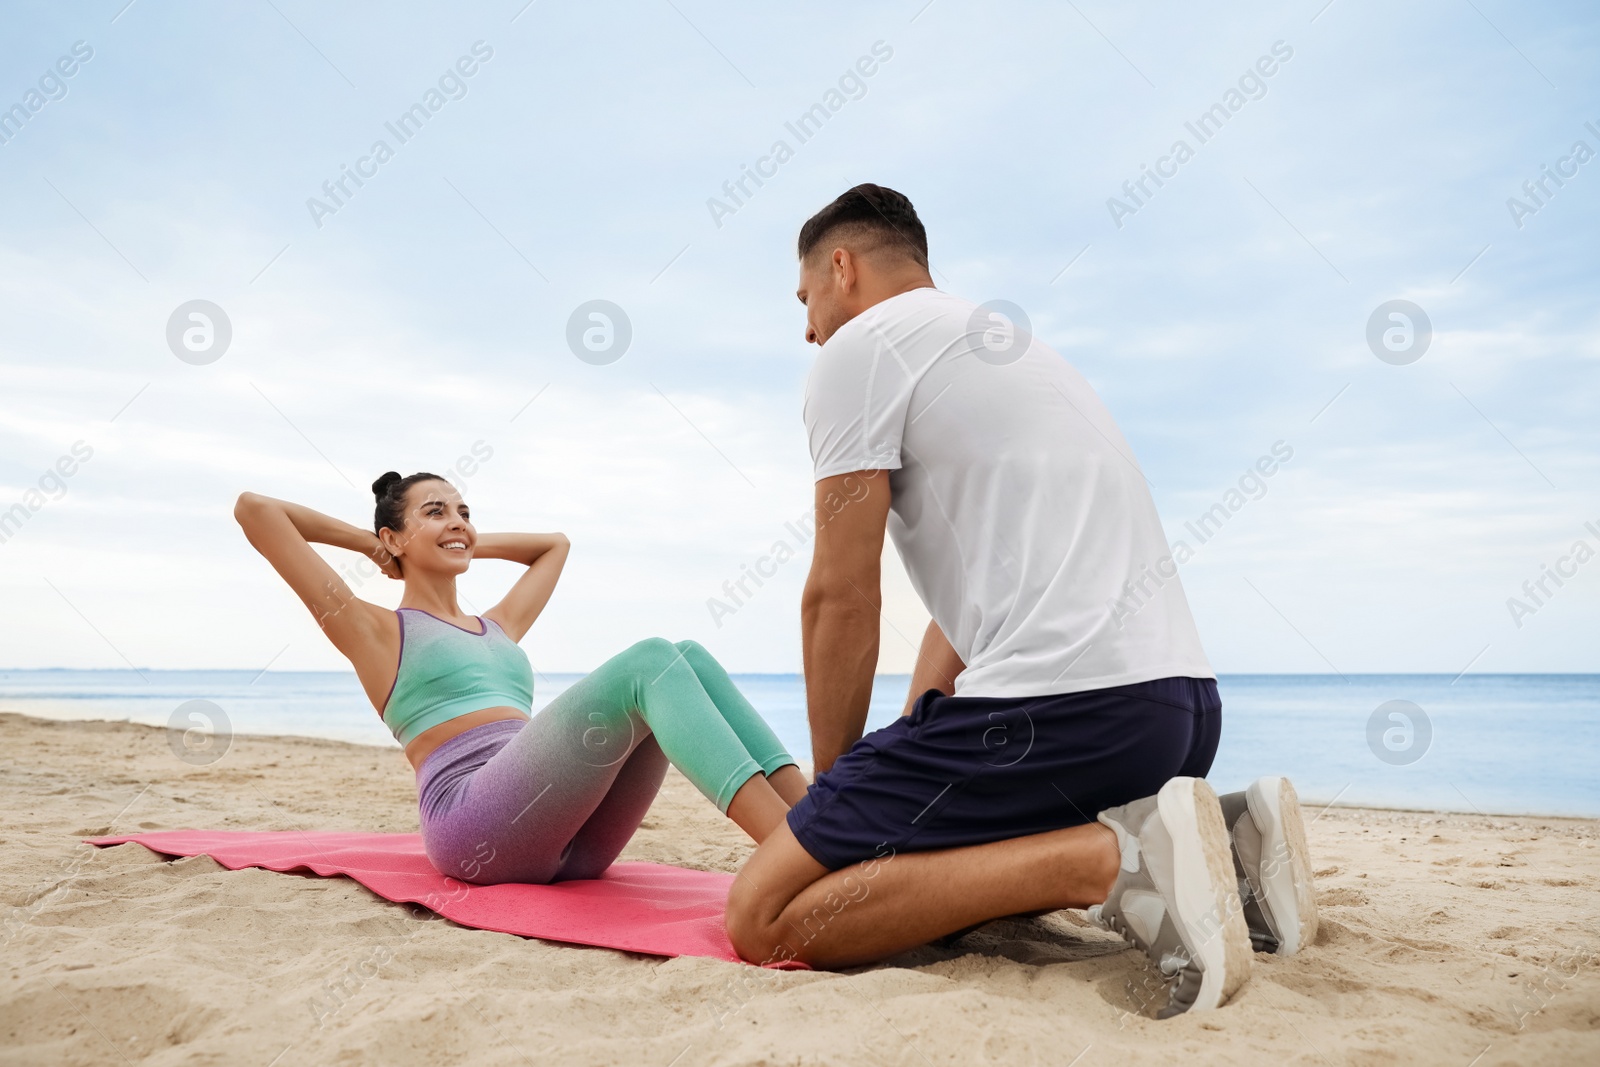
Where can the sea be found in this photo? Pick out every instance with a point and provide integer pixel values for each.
(1513, 744)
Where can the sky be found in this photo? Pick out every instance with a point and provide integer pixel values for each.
(1357, 153)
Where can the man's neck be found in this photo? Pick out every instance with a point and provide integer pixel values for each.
(880, 289)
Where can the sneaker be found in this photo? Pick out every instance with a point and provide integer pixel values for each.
(1272, 865)
(1175, 896)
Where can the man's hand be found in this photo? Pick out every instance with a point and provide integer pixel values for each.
(840, 610)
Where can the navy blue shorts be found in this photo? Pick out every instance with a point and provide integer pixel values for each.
(969, 770)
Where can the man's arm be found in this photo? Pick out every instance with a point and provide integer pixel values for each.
(839, 610)
(937, 666)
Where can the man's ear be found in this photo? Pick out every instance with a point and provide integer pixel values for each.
(844, 269)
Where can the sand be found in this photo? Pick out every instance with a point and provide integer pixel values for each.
(1448, 939)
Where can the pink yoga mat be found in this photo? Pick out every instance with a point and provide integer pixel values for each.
(637, 907)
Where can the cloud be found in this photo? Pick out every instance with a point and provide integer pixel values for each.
(1222, 317)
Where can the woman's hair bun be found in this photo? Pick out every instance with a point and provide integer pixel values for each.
(381, 486)
(391, 490)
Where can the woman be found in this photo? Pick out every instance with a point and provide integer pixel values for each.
(503, 795)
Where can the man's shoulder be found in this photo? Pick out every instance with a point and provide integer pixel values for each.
(914, 319)
(913, 305)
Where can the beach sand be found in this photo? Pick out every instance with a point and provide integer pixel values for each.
(1446, 939)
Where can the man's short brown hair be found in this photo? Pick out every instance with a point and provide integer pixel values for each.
(872, 217)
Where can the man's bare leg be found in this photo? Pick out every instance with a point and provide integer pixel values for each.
(786, 905)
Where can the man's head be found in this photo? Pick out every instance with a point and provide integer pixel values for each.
(863, 248)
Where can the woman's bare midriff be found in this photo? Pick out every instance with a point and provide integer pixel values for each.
(432, 738)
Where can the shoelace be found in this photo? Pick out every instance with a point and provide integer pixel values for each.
(1172, 964)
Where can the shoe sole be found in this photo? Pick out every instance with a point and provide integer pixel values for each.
(1204, 889)
(1287, 891)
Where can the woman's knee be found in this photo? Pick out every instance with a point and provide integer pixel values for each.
(695, 654)
(656, 652)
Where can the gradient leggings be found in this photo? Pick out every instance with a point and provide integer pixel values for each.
(558, 797)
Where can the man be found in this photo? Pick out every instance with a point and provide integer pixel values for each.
(1046, 691)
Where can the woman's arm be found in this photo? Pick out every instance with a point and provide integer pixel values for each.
(282, 532)
(320, 529)
(544, 555)
(524, 548)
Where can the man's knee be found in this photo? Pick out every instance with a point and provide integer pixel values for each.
(748, 927)
(768, 934)
(756, 927)
(761, 897)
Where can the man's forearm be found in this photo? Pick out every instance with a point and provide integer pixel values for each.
(839, 640)
(937, 667)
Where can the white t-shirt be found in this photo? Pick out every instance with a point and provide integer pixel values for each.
(1017, 506)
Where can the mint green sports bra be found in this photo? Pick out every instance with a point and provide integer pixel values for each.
(446, 671)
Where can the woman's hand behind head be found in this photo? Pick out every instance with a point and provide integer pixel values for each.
(387, 563)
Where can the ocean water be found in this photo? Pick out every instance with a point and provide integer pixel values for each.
(1503, 744)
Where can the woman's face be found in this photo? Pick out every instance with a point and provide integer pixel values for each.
(438, 535)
